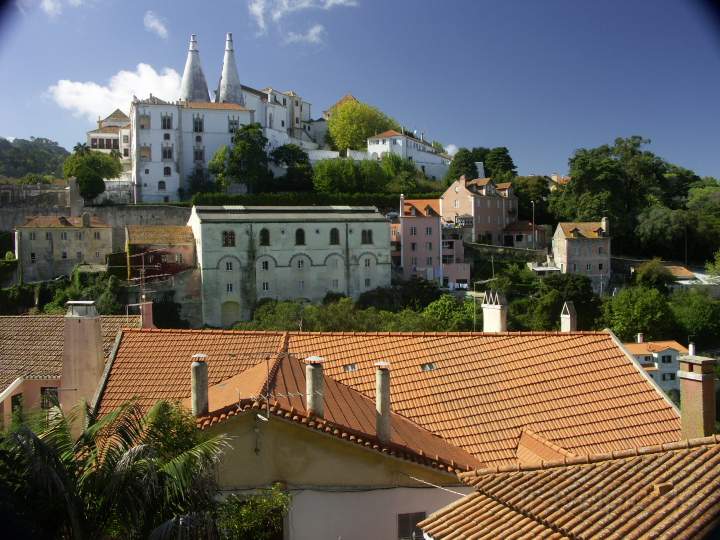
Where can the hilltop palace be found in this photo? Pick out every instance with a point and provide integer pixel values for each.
(162, 143)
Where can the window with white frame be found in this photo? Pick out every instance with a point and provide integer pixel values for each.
(428, 231)
(367, 262)
(229, 287)
(265, 265)
(666, 359)
(228, 266)
(367, 282)
(265, 285)
(413, 231)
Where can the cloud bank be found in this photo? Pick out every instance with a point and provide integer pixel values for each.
(90, 99)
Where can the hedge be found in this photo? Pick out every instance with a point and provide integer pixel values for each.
(308, 198)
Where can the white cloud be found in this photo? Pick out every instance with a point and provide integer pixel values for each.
(154, 24)
(451, 149)
(90, 99)
(313, 35)
(51, 7)
(274, 10)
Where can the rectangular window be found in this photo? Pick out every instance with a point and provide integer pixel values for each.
(199, 154)
(228, 266)
(78, 235)
(407, 523)
(178, 258)
(301, 264)
(48, 236)
(600, 266)
(32, 236)
(233, 125)
(116, 144)
(16, 403)
(229, 287)
(126, 139)
(198, 124)
(265, 286)
(126, 152)
(166, 121)
(588, 267)
(64, 255)
(428, 245)
(144, 121)
(456, 203)
(413, 261)
(97, 254)
(265, 265)
(666, 359)
(301, 285)
(413, 246)
(93, 143)
(428, 231)
(413, 231)
(96, 235)
(32, 258)
(668, 377)
(167, 152)
(48, 396)
(367, 282)
(367, 263)
(335, 284)
(78, 255)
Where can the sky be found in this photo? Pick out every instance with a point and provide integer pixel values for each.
(542, 77)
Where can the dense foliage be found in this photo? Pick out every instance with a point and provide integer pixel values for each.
(245, 162)
(299, 172)
(353, 122)
(90, 168)
(38, 156)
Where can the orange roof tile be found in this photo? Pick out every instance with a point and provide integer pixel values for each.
(421, 206)
(348, 414)
(479, 182)
(680, 272)
(159, 234)
(106, 129)
(586, 230)
(649, 347)
(666, 491)
(578, 391)
(503, 185)
(46, 222)
(32, 345)
(387, 134)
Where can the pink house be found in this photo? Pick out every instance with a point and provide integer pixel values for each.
(422, 247)
(481, 206)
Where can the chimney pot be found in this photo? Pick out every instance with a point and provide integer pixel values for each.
(315, 386)
(199, 385)
(691, 349)
(146, 312)
(640, 338)
(382, 402)
(697, 396)
(494, 312)
(568, 317)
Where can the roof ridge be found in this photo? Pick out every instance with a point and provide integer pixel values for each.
(586, 459)
(547, 442)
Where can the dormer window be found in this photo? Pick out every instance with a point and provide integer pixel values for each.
(349, 368)
(429, 366)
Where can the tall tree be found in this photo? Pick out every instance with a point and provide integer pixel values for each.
(639, 309)
(353, 122)
(461, 164)
(37, 155)
(499, 165)
(245, 162)
(532, 188)
(90, 168)
(299, 173)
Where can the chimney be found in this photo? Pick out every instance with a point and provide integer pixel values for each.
(691, 349)
(605, 224)
(85, 220)
(568, 317)
(83, 356)
(480, 169)
(494, 312)
(640, 338)
(146, 312)
(199, 385)
(314, 386)
(382, 401)
(697, 395)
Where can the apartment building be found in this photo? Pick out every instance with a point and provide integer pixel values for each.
(584, 248)
(661, 359)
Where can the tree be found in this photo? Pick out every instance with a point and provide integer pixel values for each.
(479, 155)
(532, 188)
(661, 230)
(712, 267)
(299, 172)
(450, 314)
(556, 289)
(438, 146)
(254, 517)
(337, 176)
(461, 164)
(697, 315)
(654, 275)
(245, 162)
(352, 123)
(639, 309)
(499, 165)
(90, 168)
(126, 475)
(81, 148)
(35, 156)
(199, 181)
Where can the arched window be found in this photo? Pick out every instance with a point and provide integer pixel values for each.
(300, 237)
(228, 238)
(334, 237)
(167, 171)
(264, 237)
(366, 236)
(161, 185)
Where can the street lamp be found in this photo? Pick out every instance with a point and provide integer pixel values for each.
(533, 223)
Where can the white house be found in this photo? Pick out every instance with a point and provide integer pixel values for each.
(661, 359)
(418, 150)
(249, 253)
(170, 140)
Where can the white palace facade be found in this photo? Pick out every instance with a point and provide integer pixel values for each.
(169, 140)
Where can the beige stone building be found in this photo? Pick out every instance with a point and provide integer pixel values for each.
(481, 205)
(584, 248)
(50, 246)
(249, 253)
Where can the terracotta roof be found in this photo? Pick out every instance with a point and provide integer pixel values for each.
(680, 272)
(479, 182)
(667, 491)
(117, 114)
(387, 134)
(522, 226)
(586, 230)
(503, 185)
(421, 206)
(649, 347)
(106, 129)
(159, 234)
(32, 345)
(213, 105)
(578, 391)
(48, 222)
(347, 413)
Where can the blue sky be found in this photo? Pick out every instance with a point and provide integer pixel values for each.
(542, 77)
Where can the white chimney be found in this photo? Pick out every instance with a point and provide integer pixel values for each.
(199, 385)
(697, 395)
(691, 349)
(494, 312)
(83, 356)
(568, 317)
(605, 224)
(314, 386)
(382, 401)
(640, 338)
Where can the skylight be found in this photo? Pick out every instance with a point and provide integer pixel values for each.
(429, 366)
(349, 368)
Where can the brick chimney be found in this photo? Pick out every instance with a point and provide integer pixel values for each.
(568, 317)
(83, 356)
(494, 312)
(314, 386)
(146, 312)
(697, 395)
(199, 385)
(382, 401)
